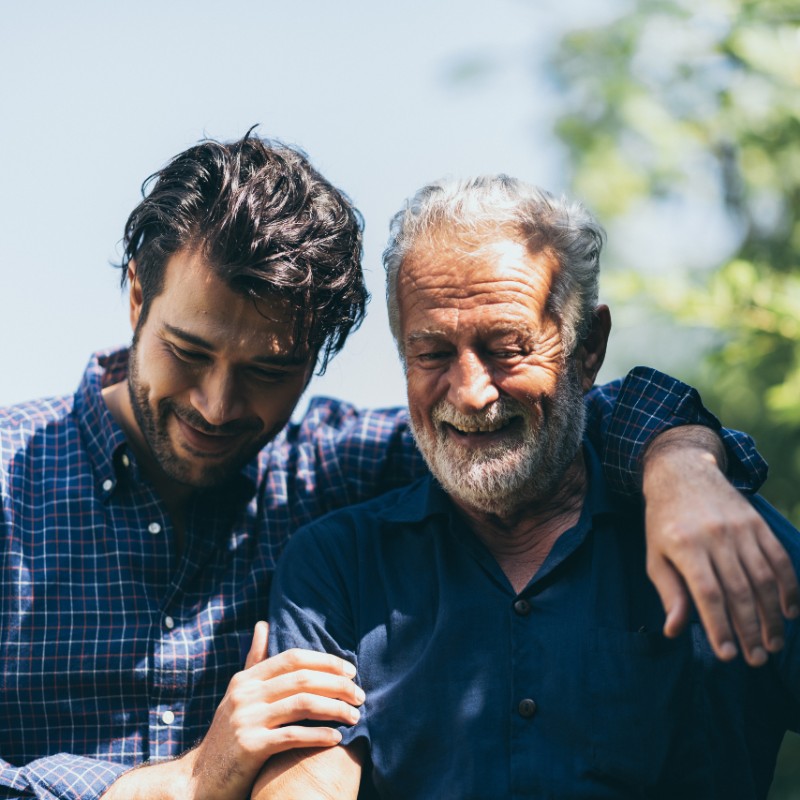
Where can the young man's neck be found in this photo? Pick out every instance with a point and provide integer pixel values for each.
(175, 495)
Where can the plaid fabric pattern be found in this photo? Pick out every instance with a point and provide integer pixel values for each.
(114, 648)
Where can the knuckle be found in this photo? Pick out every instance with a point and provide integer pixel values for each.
(303, 679)
(740, 595)
(763, 579)
(293, 658)
(707, 591)
(683, 538)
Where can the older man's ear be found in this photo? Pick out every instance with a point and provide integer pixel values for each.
(591, 351)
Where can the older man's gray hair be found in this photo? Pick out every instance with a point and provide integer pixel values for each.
(498, 205)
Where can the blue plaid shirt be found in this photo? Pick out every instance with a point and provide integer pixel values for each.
(115, 649)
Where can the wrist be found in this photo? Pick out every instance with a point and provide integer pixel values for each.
(678, 449)
(170, 780)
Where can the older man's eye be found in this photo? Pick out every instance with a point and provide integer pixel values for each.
(432, 357)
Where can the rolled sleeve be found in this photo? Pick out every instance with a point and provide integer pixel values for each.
(648, 402)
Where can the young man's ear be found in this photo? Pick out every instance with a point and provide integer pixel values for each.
(135, 295)
(592, 350)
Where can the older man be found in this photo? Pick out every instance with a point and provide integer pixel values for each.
(500, 617)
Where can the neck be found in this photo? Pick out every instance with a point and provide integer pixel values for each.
(174, 494)
(521, 539)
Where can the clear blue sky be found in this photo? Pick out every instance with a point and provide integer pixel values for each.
(98, 95)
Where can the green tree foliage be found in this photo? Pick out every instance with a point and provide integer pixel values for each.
(697, 104)
(680, 103)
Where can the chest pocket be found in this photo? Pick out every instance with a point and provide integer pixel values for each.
(647, 733)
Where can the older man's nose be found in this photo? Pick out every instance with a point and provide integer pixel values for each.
(472, 386)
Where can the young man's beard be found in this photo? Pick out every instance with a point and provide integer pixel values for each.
(501, 478)
(191, 471)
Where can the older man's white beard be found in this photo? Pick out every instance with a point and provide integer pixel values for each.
(525, 467)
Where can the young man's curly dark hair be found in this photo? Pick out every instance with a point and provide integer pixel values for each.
(268, 224)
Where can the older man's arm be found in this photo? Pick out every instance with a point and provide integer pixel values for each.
(329, 774)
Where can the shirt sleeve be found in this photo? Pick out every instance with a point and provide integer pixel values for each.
(312, 601)
(624, 416)
(59, 777)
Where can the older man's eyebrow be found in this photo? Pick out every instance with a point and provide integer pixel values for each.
(416, 336)
(520, 331)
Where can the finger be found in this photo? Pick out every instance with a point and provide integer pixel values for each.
(298, 736)
(673, 594)
(306, 681)
(303, 706)
(742, 608)
(295, 659)
(258, 647)
(761, 577)
(705, 589)
(782, 568)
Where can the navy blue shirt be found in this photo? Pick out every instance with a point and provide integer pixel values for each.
(565, 690)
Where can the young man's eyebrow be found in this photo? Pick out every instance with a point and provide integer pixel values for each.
(192, 338)
(273, 360)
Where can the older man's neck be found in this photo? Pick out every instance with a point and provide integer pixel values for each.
(521, 539)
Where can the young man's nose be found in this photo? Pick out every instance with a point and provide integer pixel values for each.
(218, 398)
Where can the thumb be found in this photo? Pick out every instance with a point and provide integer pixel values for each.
(674, 596)
(258, 647)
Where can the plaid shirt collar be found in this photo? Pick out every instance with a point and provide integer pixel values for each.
(106, 444)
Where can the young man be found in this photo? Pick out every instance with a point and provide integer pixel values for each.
(142, 517)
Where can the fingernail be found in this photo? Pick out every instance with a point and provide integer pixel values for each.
(360, 696)
(727, 651)
(349, 670)
(355, 714)
(776, 644)
(758, 656)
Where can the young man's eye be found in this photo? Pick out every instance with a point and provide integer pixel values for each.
(188, 356)
(267, 375)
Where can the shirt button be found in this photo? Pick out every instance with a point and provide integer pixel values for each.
(126, 462)
(522, 607)
(168, 718)
(154, 528)
(526, 708)
(108, 485)
(169, 623)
